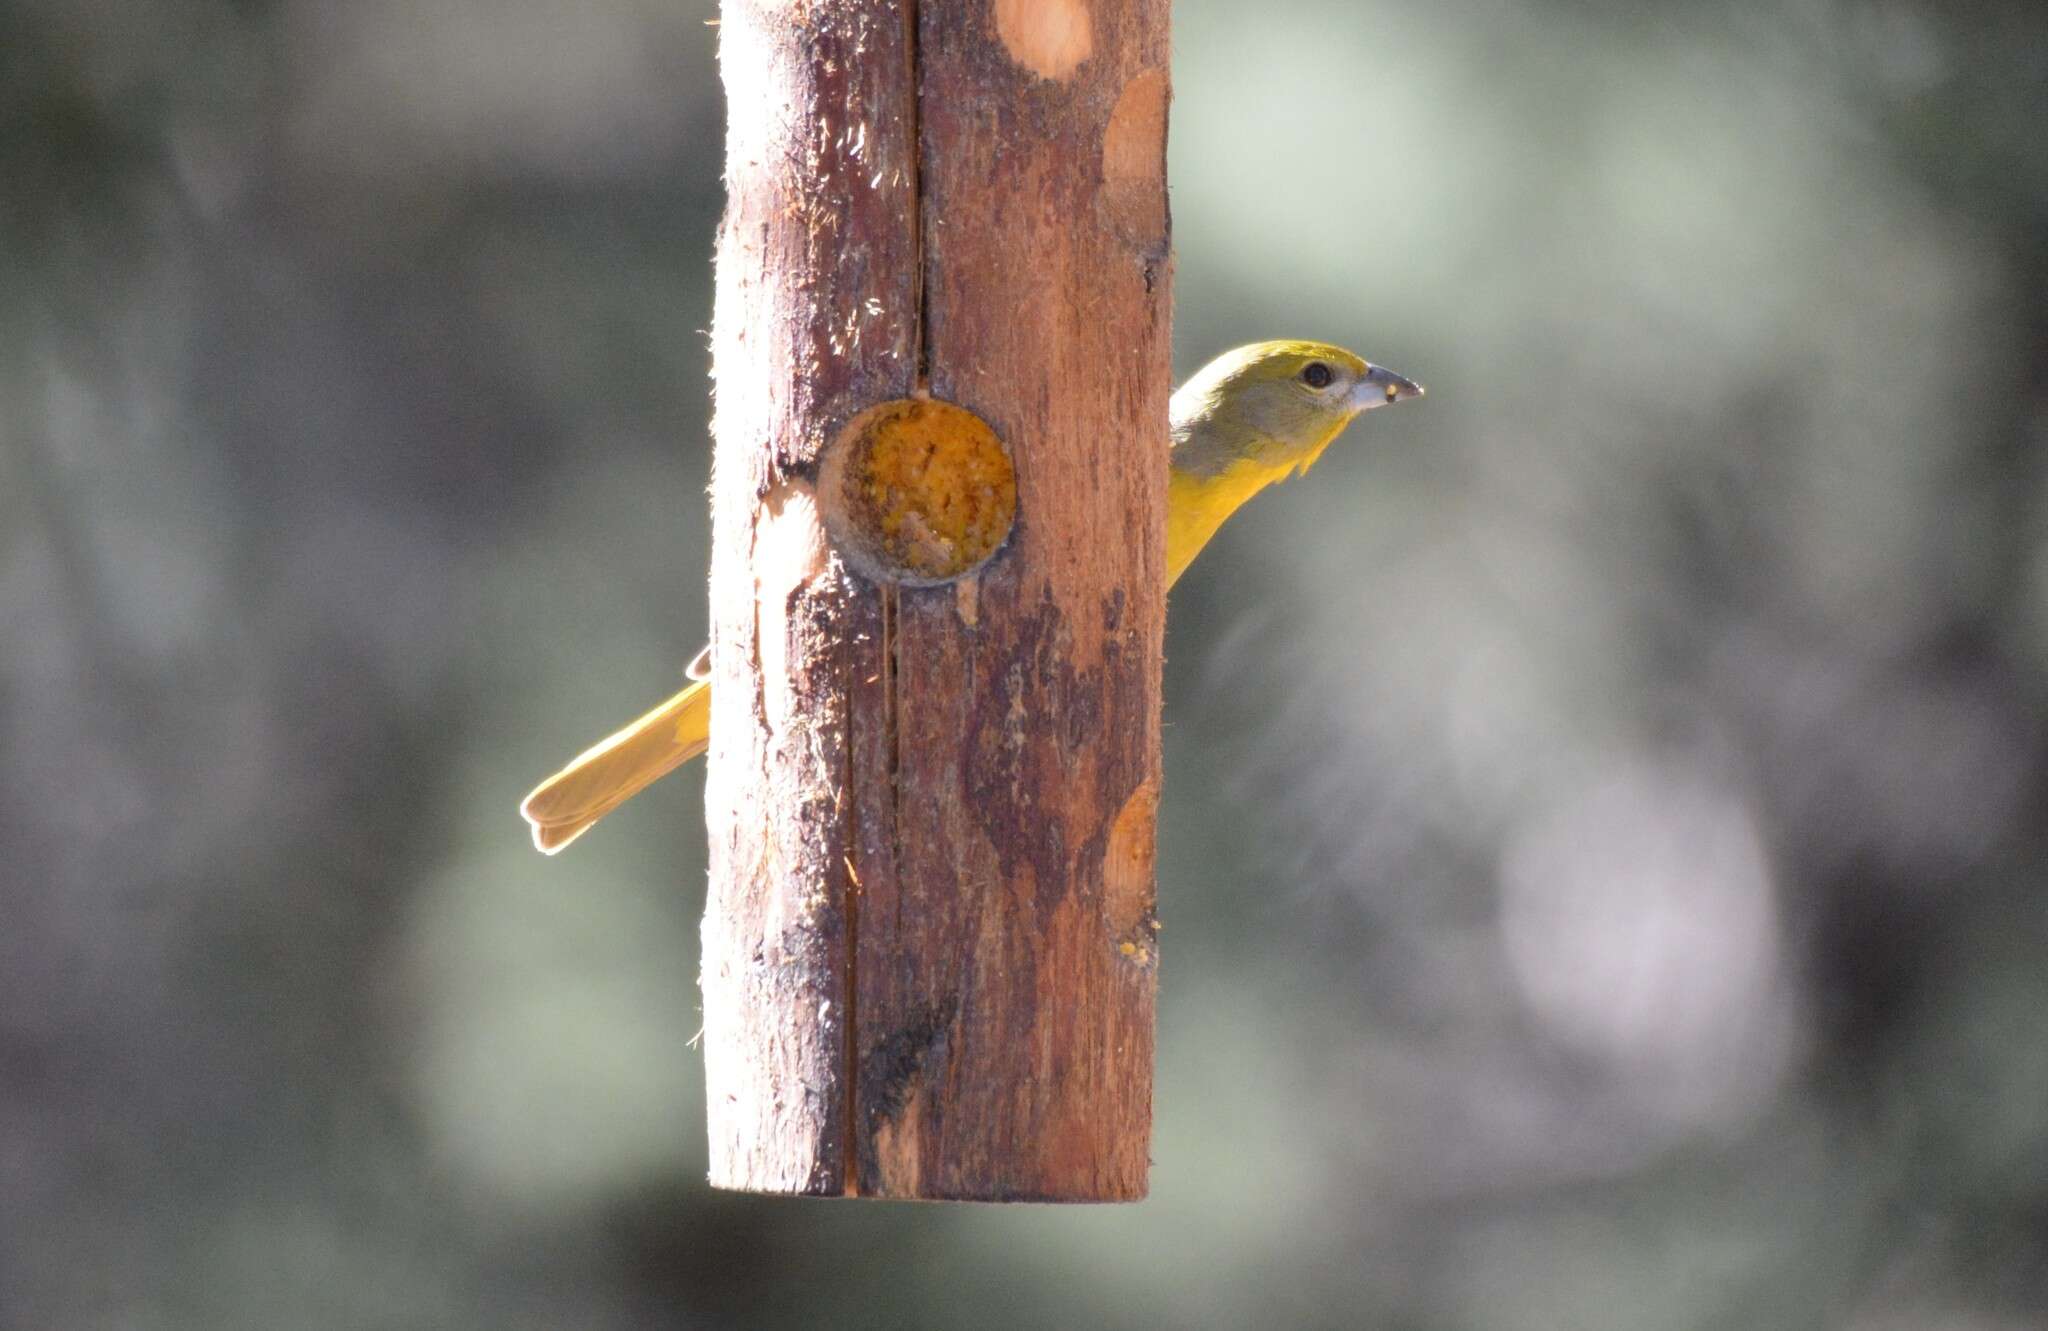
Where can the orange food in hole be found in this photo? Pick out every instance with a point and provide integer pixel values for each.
(928, 489)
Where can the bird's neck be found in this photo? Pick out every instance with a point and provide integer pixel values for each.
(1197, 504)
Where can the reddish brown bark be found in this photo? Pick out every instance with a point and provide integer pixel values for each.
(929, 967)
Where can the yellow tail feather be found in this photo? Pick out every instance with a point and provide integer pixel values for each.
(614, 770)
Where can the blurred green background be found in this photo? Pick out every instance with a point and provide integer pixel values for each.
(1628, 912)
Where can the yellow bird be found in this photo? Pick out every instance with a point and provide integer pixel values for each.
(1249, 418)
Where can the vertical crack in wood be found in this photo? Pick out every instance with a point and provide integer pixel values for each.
(892, 722)
(913, 94)
(920, 295)
(921, 362)
(849, 1017)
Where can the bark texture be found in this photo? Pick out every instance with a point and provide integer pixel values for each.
(929, 958)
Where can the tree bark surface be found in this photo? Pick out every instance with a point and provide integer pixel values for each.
(929, 949)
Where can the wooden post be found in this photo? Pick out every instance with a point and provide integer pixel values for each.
(929, 960)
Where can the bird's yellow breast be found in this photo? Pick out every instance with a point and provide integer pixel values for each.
(1196, 505)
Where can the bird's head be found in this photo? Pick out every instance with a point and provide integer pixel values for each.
(1276, 405)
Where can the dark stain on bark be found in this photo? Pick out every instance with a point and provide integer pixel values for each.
(894, 1066)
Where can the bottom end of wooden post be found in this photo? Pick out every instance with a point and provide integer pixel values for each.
(997, 1196)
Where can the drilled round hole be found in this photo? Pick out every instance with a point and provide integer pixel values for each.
(918, 492)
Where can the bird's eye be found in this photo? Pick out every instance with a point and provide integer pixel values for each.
(1316, 375)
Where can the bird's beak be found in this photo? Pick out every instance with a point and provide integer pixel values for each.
(1381, 387)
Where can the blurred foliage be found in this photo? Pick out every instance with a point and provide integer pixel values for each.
(1604, 849)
